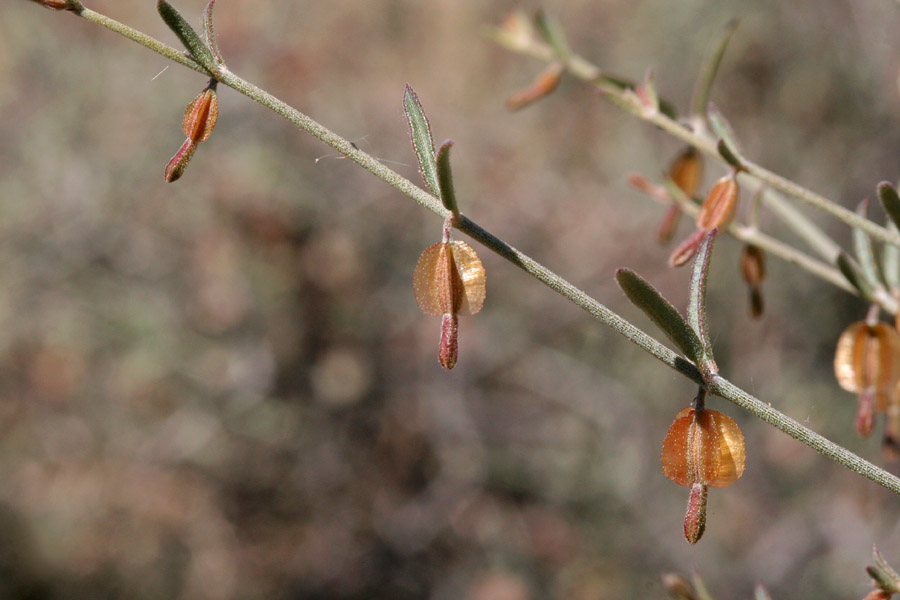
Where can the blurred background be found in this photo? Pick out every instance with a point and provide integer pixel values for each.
(223, 387)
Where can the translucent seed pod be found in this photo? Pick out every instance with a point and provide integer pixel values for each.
(867, 360)
(720, 205)
(449, 280)
(705, 447)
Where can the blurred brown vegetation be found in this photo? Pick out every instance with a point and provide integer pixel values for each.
(222, 388)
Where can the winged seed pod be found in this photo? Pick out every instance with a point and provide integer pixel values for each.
(867, 363)
(703, 448)
(716, 213)
(200, 118)
(449, 279)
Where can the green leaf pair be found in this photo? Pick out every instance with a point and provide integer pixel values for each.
(435, 168)
(204, 52)
(692, 339)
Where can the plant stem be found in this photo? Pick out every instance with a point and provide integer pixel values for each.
(724, 388)
(141, 38)
(584, 70)
(719, 386)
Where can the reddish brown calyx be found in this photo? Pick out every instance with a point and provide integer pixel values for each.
(753, 270)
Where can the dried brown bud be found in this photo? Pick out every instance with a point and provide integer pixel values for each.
(686, 249)
(687, 170)
(719, 207)
(891, 442)
(53, 4)
(753, 269)
(543, 85)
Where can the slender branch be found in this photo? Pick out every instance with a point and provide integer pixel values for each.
(584, 70)
(729, 391)
(718, 385)
(141, 38)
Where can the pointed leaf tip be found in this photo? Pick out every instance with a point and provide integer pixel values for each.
(887, 194)
(182, 29)
(445, 178)
(423, 143)
(697, 302)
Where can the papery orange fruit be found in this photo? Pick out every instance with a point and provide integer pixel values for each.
(720, 205)
(867, 360)
(449, 279)
(703, 447)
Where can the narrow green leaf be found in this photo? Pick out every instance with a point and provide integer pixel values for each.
(667, 318)
(890, 262)
(865, 252)
(420, 132)
(890, 580)
(209, 32)
(887, 194)
(851, 271)
(697, 301)
(702, 591)
(445, 177)
(552, 32)
(186, 34)
(710, 67)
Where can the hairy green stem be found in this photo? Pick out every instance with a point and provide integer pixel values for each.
(718, 385)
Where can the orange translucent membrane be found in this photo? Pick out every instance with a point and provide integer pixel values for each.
(867, 360)
(704, 447)
(449, 279)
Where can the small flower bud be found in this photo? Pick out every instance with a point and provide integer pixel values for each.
(544, 84)
(686, 249)
(753, 269)
(53, 4)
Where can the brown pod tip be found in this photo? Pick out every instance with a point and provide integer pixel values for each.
(695, 516)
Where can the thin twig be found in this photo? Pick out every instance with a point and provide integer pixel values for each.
(584, 70)
(719, 386)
